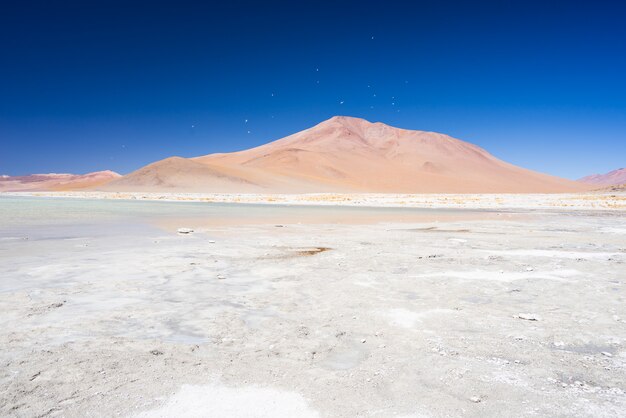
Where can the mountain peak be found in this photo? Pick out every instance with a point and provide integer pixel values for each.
(348, 154)
(342, 118)
(56, 181)
(611, 178)
(351, 121)
(357, 128)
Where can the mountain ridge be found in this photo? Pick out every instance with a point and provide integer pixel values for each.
(347, 154)
(612, 178)
(56, 181)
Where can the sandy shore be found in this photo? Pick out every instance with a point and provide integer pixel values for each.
(578, 201)
(507, 316)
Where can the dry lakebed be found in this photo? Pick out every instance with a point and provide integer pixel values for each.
(309, 311)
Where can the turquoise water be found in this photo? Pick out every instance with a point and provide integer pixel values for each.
(20, 215)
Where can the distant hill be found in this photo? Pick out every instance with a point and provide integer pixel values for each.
(611, 178)
(53, 181)
(346, 154)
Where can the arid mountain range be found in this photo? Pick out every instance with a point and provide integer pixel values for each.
(612, 178)
(341, 154)
(345, 154)
(53, 181)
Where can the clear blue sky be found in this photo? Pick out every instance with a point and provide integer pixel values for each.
(88, 86)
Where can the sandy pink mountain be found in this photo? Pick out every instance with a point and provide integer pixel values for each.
(611, 178)
(345, 154)
(53, 181)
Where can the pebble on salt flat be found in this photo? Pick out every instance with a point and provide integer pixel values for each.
(529, 317)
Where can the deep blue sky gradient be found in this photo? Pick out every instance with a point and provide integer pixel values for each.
(88, 86)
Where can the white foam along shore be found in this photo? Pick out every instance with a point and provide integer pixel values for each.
(611, 201)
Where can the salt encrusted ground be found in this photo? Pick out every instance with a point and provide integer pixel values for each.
(392, 319)
(573, 201)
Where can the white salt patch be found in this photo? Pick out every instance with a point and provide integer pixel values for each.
(556, 275)
(407, 319)
(220, 401)
(553, 254)
(364, 284)
(402, 317)
(620, 231)
(414, 415)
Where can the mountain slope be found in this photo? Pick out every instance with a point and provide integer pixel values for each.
(51, 182)
(345, 154)
(176, 173)
(611, 178)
